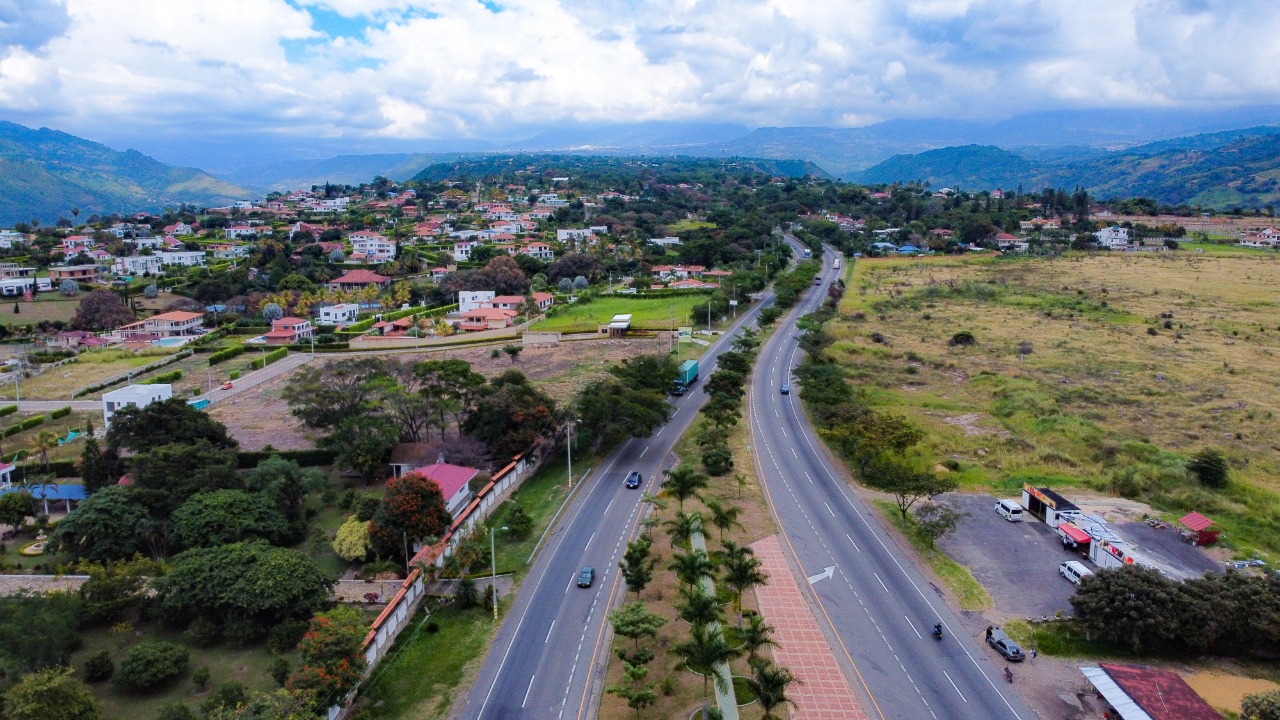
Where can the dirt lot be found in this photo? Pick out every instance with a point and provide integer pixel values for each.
(259, 417)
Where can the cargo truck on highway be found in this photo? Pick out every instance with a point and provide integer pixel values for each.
(688, 375)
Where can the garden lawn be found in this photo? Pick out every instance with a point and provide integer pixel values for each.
(655, 313)
(90, 368)
(47, 308)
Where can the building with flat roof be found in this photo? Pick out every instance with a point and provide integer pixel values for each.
(132, 396)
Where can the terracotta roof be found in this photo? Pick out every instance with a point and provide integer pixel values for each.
(360, 277)
(450, 478)
(291, 320)
(488, 313)
(177, 316)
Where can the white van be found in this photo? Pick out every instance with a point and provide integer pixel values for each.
(1010, 510)
(1075, 571)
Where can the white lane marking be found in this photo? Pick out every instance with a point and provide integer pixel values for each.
(913, 629)
(833, 512)
(806, 474)
(826, 573)
(606, 507)
(793, 452)
(854, 544)
(553, 627)
(645, 450)
(953, 684)
(529, 690)
(886, 587)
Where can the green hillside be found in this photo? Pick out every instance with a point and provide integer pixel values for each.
(968, 166)
(45, 173)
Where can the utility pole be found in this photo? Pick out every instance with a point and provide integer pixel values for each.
(568, 446)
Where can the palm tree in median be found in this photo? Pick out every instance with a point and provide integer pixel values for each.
(697, 607)
(701, 653)
(771, 683)
(756, 636)
(683, 483)
(682, 528)
(741, 573)
(691, 567)
(724, 517)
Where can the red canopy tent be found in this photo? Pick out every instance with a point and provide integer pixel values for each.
(1200, 529)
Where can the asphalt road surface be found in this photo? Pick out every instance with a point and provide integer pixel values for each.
(548, 658)
(877, 608)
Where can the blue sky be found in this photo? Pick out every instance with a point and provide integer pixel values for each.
(399, 71)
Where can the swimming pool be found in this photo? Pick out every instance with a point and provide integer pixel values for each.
(171, 342)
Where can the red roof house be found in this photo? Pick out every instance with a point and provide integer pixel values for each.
(357, 279)
(453, 481)
(1144, 693)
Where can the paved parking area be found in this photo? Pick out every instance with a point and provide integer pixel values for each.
(1162, 545)
(1017, 562)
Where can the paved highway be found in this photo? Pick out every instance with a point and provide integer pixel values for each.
(547, 659)
(878, 610)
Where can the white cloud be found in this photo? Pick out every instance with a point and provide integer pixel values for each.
(450, 68)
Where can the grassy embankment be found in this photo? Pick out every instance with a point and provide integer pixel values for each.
(1134, 363)
(655, 313)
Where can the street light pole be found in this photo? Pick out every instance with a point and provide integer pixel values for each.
(568, 446)
(493, 572)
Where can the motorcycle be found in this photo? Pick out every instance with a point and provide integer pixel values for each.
(937, 631)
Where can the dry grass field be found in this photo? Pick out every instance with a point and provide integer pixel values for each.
(1130, 363)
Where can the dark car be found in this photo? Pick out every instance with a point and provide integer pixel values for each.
(785, 389)
(586, 577)
(633, 480)
(1003, 645)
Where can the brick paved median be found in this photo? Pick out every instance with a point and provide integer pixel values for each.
(823, 692)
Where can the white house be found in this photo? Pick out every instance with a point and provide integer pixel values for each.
(137, 265)
(1113, 237)
(338, 314)
(371, 246)
(148, 243)
(185, 258)
(567, 234)
(9, 237)
(1268, 238)
(462, 250)
(539, 250)
(132, 396)
(179, 228)
(239, 231)
(471, 299)
(665, 241)
(232, 252)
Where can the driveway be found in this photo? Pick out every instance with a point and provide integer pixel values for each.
(1162, 546)
(1017, 562)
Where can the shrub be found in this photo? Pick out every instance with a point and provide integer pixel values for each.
(168, 377)
(175, 711)
(60, 413)
(228, 696)
(201, 677)
(203, 632)
(223, 355)
(149, 665)
(284, 636)
(280, 670)
(99, 667)
(1210, 468)
(8, 410)
(150, 292)
(964, 337)
(717, 460)
(269, 358)
(519, 524)
(244, 633)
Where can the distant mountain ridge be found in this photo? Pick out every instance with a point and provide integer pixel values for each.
(1218, 170)
(44, 174)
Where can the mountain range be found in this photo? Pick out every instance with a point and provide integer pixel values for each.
(1216, 170)
(45, 174)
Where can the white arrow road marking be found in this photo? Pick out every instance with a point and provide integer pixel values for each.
(826, 573)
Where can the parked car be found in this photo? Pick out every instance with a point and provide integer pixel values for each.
(1010, 510)
(1003, 645)
(633, 480)
(1075, 571)
(586, 577)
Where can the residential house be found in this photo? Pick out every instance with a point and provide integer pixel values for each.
(74, 340)
(178, 229)
(185, 258)
(454, 482)
(9, 237)
(74, 244)
(132, 396)
(1112, 238)
(462, 250)
(339, 314)
(472, 299)
(1268, 238)
(485, 318)
(371, 247)
(235, 232)
(1146, 693)
(289, 330)
(73, 272)
(515, 302)
(358, 280)
(137, 265)
(230, 252)
(14, 270)
(665, 241)
(691, 284)
(439, 273)
(539, 250)
(148, 243)
(568, 234)
(175, 323)
(1039, 223)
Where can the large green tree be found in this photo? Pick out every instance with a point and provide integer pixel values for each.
(227, 516)
(110, 525)
(38, 631)
(323, 396)
(332, 662)
(451, 387)
(509, 415)
(243, 582)
(53, 694)
(15, 508)
(611, 412)
(169, 422)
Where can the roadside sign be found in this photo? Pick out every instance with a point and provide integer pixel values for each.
(733, 303)
(684, 333)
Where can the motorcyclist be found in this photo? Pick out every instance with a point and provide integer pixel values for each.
(937, 630)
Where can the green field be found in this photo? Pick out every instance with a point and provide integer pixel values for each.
(656, 313)
(46, 308)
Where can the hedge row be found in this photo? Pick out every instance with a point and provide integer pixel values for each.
(265, 360)
(304, 458)
(27, 424)
(8, 410)
(57, 468)
(181, 355)
(393, 315)
(166, 377)
(227, 354)
(60, 413)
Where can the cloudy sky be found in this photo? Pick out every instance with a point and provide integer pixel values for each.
(395, 70)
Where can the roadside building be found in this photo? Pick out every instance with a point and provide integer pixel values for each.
(289, 330)
(1145, 693)
(132, 396)
(339, 314)
(454, 482)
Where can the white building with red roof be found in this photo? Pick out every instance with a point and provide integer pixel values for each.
(289, 330)
(359, 279)
(454, 483)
